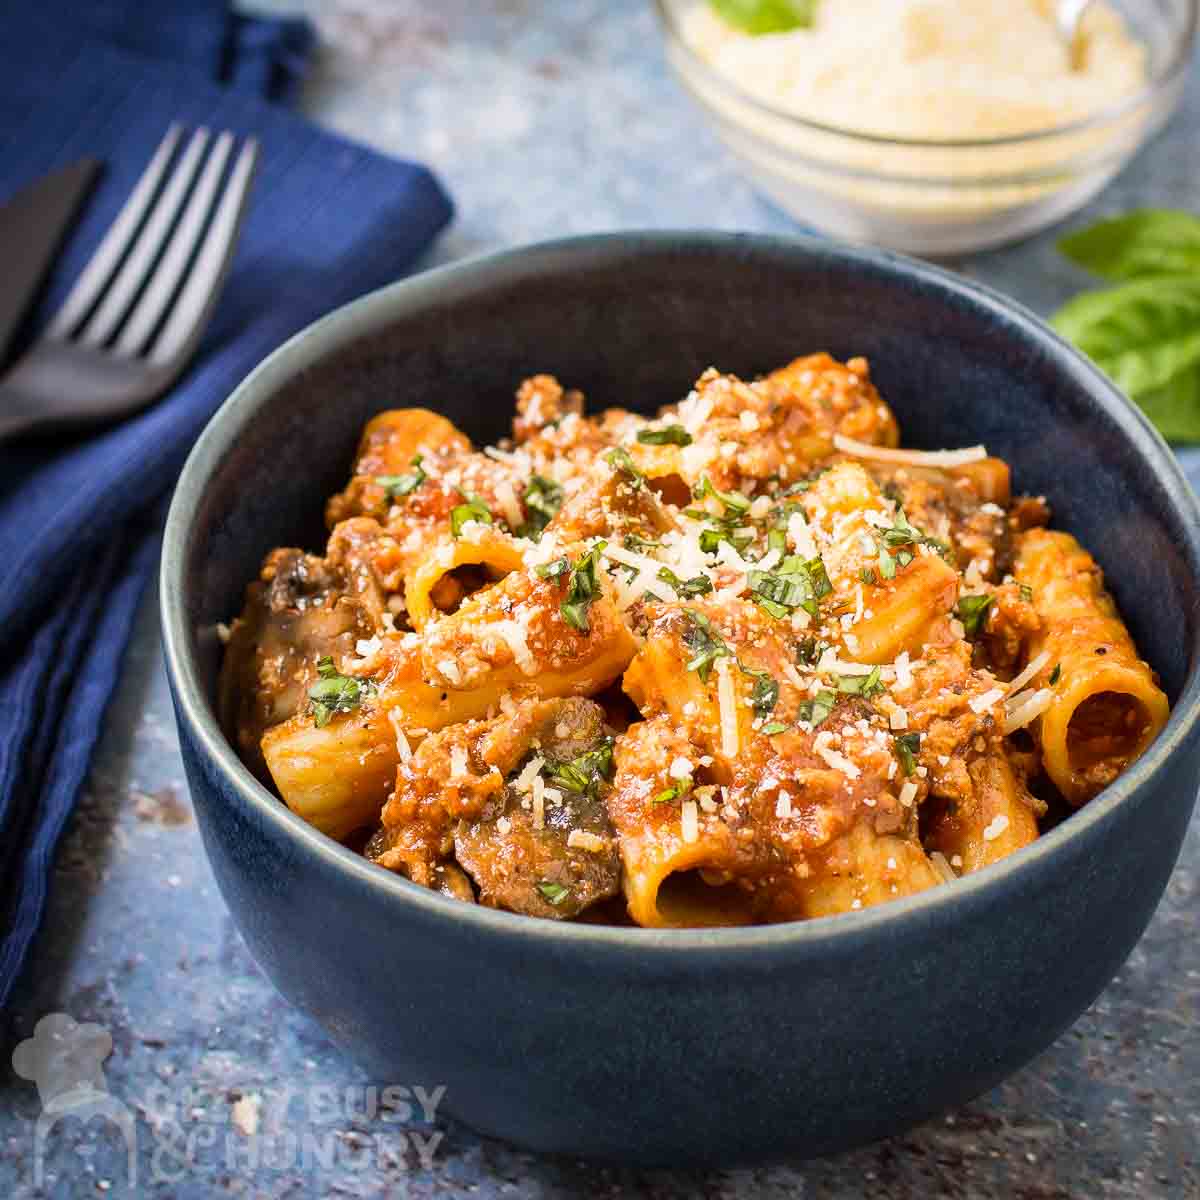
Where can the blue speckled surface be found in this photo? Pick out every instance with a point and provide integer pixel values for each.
(574, 126)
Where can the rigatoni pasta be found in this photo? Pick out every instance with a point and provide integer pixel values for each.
(745, 661)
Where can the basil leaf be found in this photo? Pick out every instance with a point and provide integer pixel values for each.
(815, 711)
(582, 589)
(334, 692)
(1174, 409)
(774, 727)
(674, 791)
(473, 510)
(543, 498)
(619, 460)
(704, 643)
(735, 504)
(552, 570)
(587, 773)
(400, 485)
(672, 435)
(1143, 334)
(972, 612)
(1149, 241)
(907, 747)
(700, 585)
(766, 16)
(553, 893)
(866, 686)
(764, 695)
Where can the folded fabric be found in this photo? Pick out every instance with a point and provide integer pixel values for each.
(328, 220)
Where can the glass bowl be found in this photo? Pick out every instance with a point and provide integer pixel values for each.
(938, 197)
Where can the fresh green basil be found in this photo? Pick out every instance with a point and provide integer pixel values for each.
(1144, 331)
(1150, 241)
(1143, 334)
(766, 16)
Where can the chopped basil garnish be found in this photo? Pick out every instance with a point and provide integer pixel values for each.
(764, 695)
(816, 709)
(334, 692)
(400, 485)
(710, 539)
(866, 686)
(905, 534)
(587, 773)
(677, 789)
(777, 540)
(735, 504)
(618, 459)
(582, 589)
(774, 727)
(543, 498)
(1056, 674)
(701, 585)
(633, 541)
(704, 643)
(809, 651)
(887, 563)
(972, 612)
(671, 435)
(867, 575)
(552, 893)
(552, 570)
(907, 746)
(795, 583)
(1025, 592)
(473, 510)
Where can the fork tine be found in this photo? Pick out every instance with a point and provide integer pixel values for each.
(153, 302)
(83, 296)
(199, 294)
(132, 273)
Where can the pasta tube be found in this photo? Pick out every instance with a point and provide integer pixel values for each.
(1104, 707)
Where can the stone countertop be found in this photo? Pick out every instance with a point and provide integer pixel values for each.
(543, 119)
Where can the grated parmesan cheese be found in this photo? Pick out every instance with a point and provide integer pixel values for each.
(997, 826)
(1034, 665)
(908, 793)
(727, 700)
(689, 821)
(513, 632)
(942, 867)
(402, 747)
(509, 508)
(978, 704)
(1020, 714)
(580, 839)
(524, 781)
(914, 458)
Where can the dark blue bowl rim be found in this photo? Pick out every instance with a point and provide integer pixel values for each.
(377, 309)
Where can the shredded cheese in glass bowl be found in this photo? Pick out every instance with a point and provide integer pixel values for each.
(934, 126)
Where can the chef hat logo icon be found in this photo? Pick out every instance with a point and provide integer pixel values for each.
(65, 1059)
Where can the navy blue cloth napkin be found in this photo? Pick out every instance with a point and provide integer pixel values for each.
(79, 518)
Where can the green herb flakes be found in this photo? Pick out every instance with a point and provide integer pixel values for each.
(397, 486)
(473, 509)
(335, 693)
(671, 435)
(907, 746)
(972, 612)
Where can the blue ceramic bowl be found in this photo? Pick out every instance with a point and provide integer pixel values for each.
(714, 1046)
